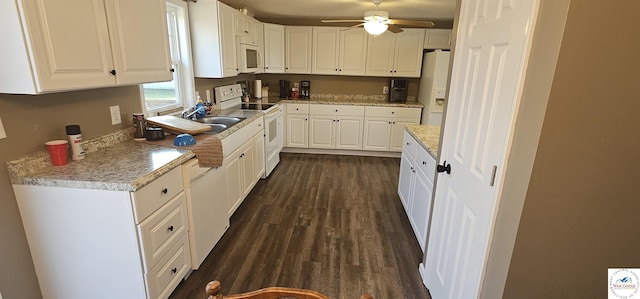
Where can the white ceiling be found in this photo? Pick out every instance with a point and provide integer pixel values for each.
(427, 10)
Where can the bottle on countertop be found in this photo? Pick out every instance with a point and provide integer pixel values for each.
(208, 104)
(75, 142)
(200, 107)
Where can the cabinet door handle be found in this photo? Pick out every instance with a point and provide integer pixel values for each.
(297, 109)
(389, 122)
(338, 120)
(164, 191)
(424, 162)
(170, 228)
(393, 112)
(174, 270)
(113, 72)
(408, 143)
(173, 70)
(266, 67)
(336, 110)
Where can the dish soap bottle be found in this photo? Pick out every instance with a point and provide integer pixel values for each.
(200, 107)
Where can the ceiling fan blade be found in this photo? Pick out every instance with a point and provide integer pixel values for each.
(354, 26)
(394, 28)
(425, 24)
(340, 21)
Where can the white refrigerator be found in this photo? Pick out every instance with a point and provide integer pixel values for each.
(433, 84)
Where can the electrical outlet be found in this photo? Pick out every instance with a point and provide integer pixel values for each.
(3, 135)
(385, 89)
(115, 115)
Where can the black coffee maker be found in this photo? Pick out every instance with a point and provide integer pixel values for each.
(285, 88)
(398, 90)
(305, 89)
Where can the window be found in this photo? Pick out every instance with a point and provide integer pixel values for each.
(175, 94)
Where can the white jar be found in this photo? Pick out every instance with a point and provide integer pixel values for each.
(75, 142)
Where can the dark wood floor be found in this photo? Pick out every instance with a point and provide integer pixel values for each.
(333, 224)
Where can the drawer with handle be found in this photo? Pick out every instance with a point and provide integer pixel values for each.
(409, 145)
(162, 230)
(297, 108)
(154, 195)
(165, 276)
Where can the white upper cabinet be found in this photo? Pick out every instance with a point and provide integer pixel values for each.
(395, 54)
(437, 38)
(260, 44)
(326, 49)
(213, 39)
(380, 54)
(273, 48)
(339, 51)
(298, 42)
(48, 47)
(353, 51)
(246, 28)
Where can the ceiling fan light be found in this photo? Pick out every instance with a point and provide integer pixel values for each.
(375, 27)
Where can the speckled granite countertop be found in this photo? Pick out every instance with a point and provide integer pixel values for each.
(346, 100)
(428, 136)
(114, 161)
(126, 166)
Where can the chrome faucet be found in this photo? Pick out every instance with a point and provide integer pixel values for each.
(191, 113)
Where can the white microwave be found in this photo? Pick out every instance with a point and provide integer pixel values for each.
(249, 58)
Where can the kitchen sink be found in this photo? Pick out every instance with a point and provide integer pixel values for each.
(216, 128)
(220, 123)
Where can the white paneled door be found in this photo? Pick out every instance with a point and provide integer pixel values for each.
(488, 69)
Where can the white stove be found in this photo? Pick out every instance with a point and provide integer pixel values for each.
(230, 97)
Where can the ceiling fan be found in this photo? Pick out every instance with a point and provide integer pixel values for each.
(377, 21)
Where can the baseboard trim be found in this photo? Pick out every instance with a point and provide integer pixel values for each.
(423, 274)
(341, 152)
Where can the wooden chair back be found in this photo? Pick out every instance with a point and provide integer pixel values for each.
(213, 290)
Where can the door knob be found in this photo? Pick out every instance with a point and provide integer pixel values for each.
(445, 167)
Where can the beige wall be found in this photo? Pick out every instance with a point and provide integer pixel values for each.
(337, 84)
(29, 121)
(581, 210)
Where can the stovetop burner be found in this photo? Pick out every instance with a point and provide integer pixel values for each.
(256, 106)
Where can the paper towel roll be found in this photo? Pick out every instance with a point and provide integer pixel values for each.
(257, 89)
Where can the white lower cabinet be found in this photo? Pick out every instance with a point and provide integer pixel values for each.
(135, 242)
(384, 127)
(348, 127)
(415, 185)
(335, 126)
(242, 167)
(297, 125)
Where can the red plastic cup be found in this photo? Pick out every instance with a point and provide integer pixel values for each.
(57, 151)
